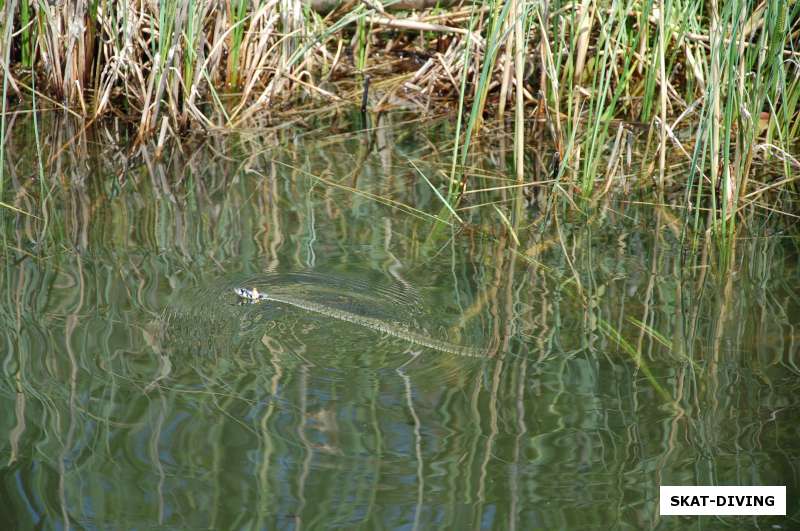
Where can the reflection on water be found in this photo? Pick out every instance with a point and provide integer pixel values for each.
(139, 393)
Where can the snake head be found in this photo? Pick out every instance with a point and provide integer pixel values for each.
(249, 294)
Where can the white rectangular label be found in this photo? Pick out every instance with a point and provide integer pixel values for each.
(723, 501)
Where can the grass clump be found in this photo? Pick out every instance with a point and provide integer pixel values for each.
(715, 84)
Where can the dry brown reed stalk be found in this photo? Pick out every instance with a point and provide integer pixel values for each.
(6, 33)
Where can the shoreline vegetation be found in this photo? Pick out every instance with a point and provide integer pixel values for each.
(712, 85)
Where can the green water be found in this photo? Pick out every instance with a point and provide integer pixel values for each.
(138, 393)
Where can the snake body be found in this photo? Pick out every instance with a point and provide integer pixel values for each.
(396, 330)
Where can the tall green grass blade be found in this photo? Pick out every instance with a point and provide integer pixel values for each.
(444, 201)
(493, 44)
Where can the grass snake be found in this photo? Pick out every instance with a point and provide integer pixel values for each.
(397, 330)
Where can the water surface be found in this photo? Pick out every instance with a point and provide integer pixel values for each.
(138, 392)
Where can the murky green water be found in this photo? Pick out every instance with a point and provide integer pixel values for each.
(139, 393)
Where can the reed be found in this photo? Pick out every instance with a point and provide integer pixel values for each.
(727, 71)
